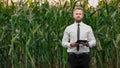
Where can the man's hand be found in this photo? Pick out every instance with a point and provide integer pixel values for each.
(73, 44)
(85, 44)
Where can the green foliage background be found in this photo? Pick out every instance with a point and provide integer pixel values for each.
(30, 36)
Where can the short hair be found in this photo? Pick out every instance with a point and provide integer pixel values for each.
(78, 8)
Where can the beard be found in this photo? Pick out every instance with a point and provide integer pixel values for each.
(78, 21)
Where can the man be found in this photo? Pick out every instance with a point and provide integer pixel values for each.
(78, 37)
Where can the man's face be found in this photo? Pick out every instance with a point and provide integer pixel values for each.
(78, 15)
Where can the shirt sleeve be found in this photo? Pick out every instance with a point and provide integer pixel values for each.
(66, 39)
(91, 38)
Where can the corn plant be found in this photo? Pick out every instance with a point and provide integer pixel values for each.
(31, 34)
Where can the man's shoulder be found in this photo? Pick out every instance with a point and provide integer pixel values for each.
(70, 26)
(86, 25)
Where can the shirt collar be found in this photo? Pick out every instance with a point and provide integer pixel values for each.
(78, 23)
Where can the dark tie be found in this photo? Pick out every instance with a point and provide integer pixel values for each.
(78, 35)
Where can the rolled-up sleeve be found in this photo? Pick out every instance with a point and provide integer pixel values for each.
(91, 38)
(66, 39)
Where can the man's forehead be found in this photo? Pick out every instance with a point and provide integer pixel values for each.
(78, 10)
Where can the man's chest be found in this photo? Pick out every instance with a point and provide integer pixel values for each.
(83, 32)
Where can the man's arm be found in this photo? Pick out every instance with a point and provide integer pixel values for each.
(66, 39)
(91, 38)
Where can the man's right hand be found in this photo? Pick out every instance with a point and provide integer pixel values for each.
(73, 44)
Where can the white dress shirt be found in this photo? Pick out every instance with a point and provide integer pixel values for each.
(70, 35)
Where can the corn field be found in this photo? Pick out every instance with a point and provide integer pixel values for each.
(31, 34)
